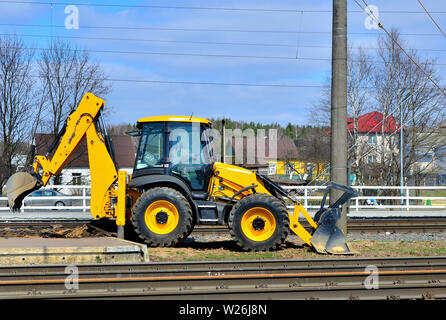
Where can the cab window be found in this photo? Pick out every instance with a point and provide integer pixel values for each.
(151, 146)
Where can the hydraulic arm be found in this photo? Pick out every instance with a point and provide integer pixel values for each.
(85, 122)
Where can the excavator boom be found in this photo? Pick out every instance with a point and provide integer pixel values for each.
(85, 122)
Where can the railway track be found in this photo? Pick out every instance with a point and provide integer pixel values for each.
(355, 226)
(365, 226)
(345, 278)
(45, 223)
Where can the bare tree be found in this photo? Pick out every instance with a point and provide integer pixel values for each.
(18, 113)
(387, 81)
(68, 73)
(402, 89)
(359, 76)
(359, 70)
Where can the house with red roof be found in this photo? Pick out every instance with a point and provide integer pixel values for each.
(372, 122)
(372, 135)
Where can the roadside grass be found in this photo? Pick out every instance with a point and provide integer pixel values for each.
(227, 250)
(400, 248)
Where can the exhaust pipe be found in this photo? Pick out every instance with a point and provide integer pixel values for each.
(18, 186)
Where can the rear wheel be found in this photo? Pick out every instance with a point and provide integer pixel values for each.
(162, 217)
(259, 222)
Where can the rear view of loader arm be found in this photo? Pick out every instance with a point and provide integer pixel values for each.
(83, 123)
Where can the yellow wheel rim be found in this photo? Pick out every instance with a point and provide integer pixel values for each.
(258, 224)
(161, 217)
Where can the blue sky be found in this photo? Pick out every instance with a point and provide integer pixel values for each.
(263, 65)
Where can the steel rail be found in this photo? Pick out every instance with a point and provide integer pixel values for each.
(406, 225)
(230, 265)
(343, 278)
(42, 222)
(363, 226)
(313, 284)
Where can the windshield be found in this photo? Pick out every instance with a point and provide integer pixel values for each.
(151, 146)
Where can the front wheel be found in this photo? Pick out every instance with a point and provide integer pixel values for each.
(162, 217)
(259, 222)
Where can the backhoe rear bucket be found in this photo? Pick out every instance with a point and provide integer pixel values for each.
(18, 186)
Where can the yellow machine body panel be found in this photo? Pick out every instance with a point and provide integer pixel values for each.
(229, 180)
(103, 174)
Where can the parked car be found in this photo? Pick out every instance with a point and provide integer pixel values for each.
(35, 199)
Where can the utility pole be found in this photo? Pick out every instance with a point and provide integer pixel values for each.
(338, 163)
(223, 144)
(401, 154)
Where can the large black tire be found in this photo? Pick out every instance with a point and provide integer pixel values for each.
(156, 229)
(248, 230)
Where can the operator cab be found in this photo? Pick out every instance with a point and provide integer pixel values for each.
(175, 145)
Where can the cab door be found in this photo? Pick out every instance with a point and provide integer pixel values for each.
(188, 155)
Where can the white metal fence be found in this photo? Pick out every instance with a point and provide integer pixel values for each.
(385, 197)
(409, 198)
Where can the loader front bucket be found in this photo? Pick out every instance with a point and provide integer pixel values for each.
(18, 186)
(328, 237)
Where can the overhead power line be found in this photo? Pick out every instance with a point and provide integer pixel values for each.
(202, 8)
(254, 44)
(262, 85)
(293, 58)
(166, 41)
(208, 83)
(400, 46)
(186, 54)
(433, 20)
(143, 6)
(165, 29)
(205, 30)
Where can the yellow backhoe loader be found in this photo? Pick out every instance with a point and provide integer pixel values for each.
(176, 185)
